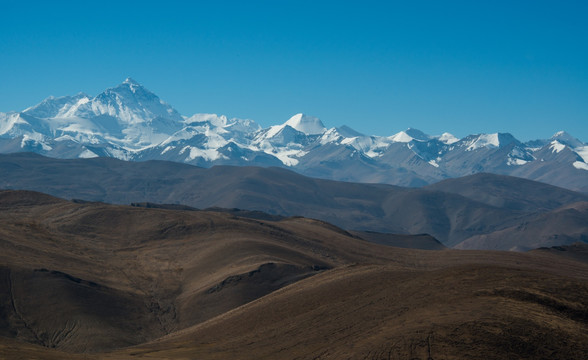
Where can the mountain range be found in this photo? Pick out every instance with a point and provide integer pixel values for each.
(480, 211)
(129, 122)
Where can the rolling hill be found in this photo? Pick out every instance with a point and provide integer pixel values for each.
(97, 281)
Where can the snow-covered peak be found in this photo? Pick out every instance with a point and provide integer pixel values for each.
(131, 103)
(401, 137)
(129, 88)
(308, 125)
(131, 81)
(409, 135)
(133, 86)
(567, 139)
(331, 136)
(483, 141)
(56, 106)
(474, 142)
(448, 138)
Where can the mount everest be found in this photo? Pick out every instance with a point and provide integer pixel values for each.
(129, 122)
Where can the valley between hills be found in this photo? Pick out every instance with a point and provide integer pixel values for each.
(90, 280)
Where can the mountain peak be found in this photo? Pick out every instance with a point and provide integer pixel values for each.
(448, 138)
(401, 137)
(560, 134)
(348, 132)
(136, 114)
(417, 134)
(56, 106)
(133, 86)
(566, 139)
(131, 81)
(493, 140)
(309, 125)
(409, 135)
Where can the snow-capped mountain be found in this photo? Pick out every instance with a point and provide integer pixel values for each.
(130, 122)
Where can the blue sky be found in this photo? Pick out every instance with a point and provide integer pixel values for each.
(379, 67)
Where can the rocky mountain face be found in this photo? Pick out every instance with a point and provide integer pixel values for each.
(129, 122)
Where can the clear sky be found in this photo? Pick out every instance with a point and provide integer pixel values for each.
(378, 66)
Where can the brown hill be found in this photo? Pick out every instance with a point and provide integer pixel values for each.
(563, 226)
(377, 312)
(91, 266)
(420, 241)
(577, 251)
(92, 277)
(509, 192)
